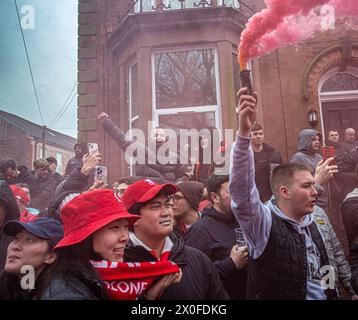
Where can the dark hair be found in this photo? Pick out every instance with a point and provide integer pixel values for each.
(283, 174)
(214, 182)
(51, 160)
(6, 164)
(71, 261)
(256, 127)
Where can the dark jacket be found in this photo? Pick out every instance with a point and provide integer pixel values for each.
(43, 191)
(169, 172)
(25, 176)
(200, 280)
(76, 182)
(280, 273)
(73, 164)
(214, 235)
(263, 170)
(12, 213)
(74, 288)
(354, 265)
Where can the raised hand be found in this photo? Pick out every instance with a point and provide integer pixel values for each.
(246, 110)
(103, 116)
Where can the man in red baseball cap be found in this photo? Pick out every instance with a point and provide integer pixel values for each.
(152, 239)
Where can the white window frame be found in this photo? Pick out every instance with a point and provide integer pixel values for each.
(59, 159)
(235, 4)
(196, 109)
(131, 118)
(137, 6)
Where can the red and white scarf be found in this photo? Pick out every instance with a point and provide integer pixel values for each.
(128, 280)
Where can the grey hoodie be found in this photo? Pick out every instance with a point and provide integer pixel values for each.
(255, 217)
(305, 154)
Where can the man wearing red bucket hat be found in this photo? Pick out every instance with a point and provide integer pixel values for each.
(153, 240)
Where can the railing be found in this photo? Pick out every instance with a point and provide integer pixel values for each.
(142, 6)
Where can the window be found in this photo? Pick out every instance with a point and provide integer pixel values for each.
(229, 3)
(185, 79)
(340, 82)
(144, 6)
(132, 102)
(59, 162)
(133, 93)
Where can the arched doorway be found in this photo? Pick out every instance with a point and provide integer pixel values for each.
(338, 93)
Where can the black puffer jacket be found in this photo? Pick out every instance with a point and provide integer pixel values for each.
(12, 213)
(354, 265)
(158, 172)
(77, 287)
(214, 235)
(200, 280)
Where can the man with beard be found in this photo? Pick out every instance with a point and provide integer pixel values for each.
(214, 235)
(152, 239)
(76, 161)
(161, 171)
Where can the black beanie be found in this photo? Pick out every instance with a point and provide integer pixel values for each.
(193, 192)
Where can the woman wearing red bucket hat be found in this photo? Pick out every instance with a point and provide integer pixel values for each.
(90, 255)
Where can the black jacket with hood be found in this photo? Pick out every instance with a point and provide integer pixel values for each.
(76, 161)
(214, 235)
(200, 280)
(263, 170)
(12, 213)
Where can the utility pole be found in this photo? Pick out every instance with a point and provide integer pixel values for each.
(44, 141)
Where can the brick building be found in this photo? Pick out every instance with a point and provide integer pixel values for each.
(21, 140)
(174, 63)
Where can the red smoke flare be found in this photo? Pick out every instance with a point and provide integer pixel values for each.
(286, 22)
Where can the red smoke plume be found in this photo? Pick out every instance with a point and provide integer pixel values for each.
(286, 22)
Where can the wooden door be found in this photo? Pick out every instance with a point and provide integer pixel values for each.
(340, 116)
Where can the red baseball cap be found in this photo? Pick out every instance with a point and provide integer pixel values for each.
(143, 191)
(89, 212)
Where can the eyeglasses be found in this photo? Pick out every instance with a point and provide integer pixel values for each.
(176, 197)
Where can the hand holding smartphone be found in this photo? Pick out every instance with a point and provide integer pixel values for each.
(328, 152)
(100, 174)
(92, 147)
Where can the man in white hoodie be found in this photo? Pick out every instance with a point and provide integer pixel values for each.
(287, 256)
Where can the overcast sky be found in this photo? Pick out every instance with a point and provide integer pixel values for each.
(51, 39)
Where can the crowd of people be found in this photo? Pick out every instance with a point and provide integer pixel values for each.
(164, 234)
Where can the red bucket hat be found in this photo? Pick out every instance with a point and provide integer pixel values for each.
(89, 212)
(143, 191)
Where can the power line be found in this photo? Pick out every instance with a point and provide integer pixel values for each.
(29, 64)
(63, 106)
(63, 112)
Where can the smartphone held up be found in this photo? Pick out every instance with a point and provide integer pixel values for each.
(329, 152)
